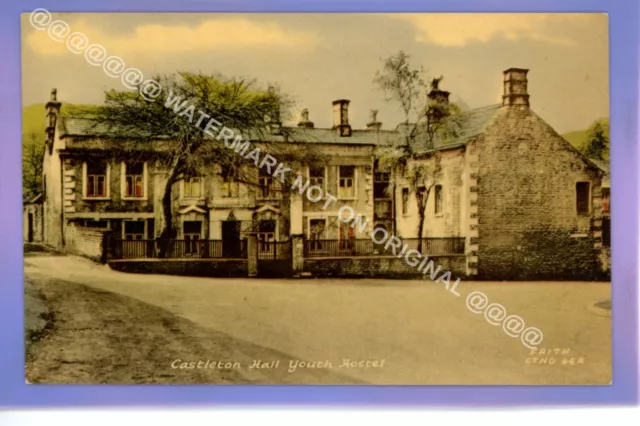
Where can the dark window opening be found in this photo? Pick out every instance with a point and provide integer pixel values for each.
(438, 199)
(583, 198)
(606, 231)
(381, 185)
(316, 176)
(134, 230)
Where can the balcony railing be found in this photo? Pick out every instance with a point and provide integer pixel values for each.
(178, 249)
(367, 247)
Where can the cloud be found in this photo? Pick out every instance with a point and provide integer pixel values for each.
(211, 35)
(460, 29)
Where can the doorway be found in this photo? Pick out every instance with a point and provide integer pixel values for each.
(231, 239)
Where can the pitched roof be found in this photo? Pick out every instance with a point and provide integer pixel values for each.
(88, 127)
(33, 199)
(468, 124)
(318, 135)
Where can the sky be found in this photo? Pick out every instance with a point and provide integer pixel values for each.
(318, 58)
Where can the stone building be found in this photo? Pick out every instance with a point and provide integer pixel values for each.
(526, 204)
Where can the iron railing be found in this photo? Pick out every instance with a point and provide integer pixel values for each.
(274, 250)
(367, 247)
(178, 249)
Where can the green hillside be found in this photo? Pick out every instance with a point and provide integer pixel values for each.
(578, 138)
(33, 125)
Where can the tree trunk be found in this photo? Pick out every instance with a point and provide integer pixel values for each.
(168, 232)
(420, 230)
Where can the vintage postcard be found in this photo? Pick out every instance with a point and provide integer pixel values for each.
(388, 199)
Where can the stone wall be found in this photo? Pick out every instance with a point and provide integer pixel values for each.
(528, 225)
(35, 211)
(87, 242)
(187, 267)
(381, 266)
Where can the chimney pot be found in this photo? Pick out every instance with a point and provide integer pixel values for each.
(373, 123)
(515, 88)
(304, 119)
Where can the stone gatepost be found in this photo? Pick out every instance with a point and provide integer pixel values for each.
(297, 254)
(252, 255)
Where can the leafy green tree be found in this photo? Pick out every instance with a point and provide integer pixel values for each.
(180, 144)
(401, 83)
(597, 145)
(32, 153)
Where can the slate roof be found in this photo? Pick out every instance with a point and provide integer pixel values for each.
(470, 125)
(84, 126)
(88, 127)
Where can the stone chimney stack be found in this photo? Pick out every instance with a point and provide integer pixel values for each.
(515, 88)
(373, 123)
(52, 109)
(341, 117)
(274, 119)
(304, 119)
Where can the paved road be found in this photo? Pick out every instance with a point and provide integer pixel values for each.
(424, 334)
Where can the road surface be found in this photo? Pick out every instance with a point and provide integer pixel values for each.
(113, 327)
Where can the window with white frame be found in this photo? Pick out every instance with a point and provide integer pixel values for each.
(134, 179)
(317, 233)
(346, 182)
(316, 177)
(229, 188)
(96, 179)
(192, 187)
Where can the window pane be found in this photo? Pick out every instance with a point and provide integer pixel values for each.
(101, 187)
(139, 186)
(90, 186)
